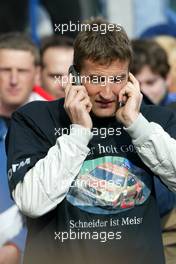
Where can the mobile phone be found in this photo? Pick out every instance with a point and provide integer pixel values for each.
(76, 77)
(122, 103)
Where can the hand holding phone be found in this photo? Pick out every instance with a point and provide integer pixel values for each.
(77, 102)
(130, 99)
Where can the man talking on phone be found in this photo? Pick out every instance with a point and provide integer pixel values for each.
(74, 170)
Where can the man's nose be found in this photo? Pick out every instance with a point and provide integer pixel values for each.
(106, 91)
(14, 77)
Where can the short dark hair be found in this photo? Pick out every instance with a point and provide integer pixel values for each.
(149, 53)
(101, 48)
(54, 41)
(19, 41)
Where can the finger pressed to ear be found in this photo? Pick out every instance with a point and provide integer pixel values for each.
(127, 90)
(76, 93)
(133, 79)
(132, 86)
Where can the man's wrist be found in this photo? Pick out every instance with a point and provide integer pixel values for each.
(140, 128)
(130, 120)
(83, 134)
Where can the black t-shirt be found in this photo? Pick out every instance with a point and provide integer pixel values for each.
(109, 214)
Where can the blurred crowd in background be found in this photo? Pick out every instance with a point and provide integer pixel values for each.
(34, 55)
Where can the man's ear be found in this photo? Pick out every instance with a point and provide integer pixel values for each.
(38, 75)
